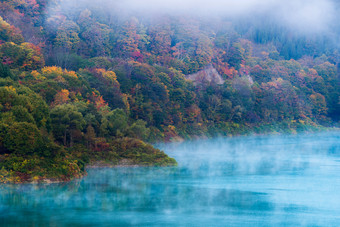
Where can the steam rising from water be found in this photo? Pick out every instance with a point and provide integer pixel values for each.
(253, 155)
(257, 181)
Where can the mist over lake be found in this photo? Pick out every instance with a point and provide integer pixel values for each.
(245, 181)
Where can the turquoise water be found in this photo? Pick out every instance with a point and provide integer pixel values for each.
(245, 181)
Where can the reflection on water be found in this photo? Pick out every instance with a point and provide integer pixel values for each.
(258, 181)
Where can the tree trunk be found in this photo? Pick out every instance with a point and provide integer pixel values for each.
(71, 139)
(65, 138)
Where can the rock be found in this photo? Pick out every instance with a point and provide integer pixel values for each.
(207, 76)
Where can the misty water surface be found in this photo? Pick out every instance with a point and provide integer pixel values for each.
(246, 181)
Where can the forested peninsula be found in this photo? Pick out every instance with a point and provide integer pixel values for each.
(87, 84)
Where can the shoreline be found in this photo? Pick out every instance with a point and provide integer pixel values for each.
(178, 139)
(126, 163)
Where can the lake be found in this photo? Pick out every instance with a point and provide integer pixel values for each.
(291, 180)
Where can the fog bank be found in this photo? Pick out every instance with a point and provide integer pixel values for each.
(301, 15)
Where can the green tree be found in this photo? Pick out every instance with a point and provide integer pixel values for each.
(139, 130)
(22, 138)
(90, 136)
(66, 120)
(3, 133)
(5, 71)
(21, 114)
(115, 123)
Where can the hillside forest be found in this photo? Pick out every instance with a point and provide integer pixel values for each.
(84, 84)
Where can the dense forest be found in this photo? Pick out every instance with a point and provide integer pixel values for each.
(86, 83)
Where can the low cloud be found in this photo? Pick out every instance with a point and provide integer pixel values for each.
(309, 16)
(306, 15)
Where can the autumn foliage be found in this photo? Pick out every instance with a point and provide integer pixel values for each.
(79, 84)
